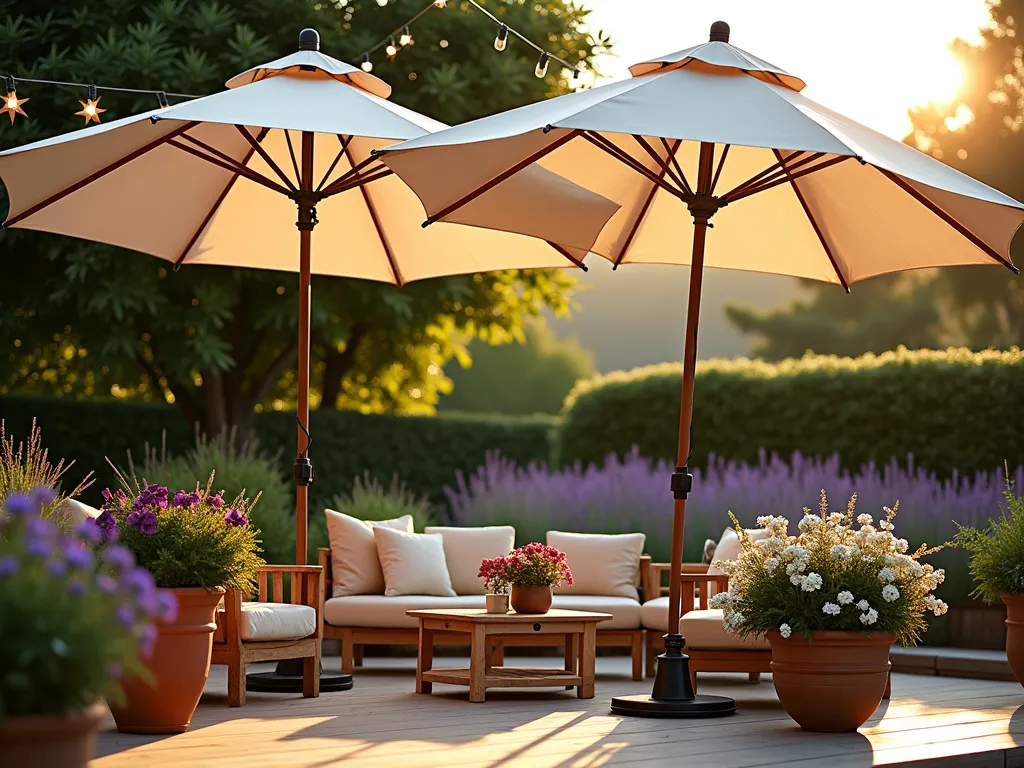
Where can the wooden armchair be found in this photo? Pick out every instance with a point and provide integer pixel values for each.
(271, 629)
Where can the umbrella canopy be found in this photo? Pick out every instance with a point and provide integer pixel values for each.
(188, 183)
(794, 189)
(795, 182)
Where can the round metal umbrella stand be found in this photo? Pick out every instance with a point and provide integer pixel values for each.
(287, 678)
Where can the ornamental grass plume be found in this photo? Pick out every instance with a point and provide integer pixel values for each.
(26, 466)
(832, 576)
(534, 565)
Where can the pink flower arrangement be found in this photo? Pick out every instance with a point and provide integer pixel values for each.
(533, 565)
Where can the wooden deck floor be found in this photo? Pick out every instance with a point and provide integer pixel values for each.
(381, 722)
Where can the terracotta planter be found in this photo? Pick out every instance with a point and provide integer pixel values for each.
(833, 683)
(531, 599)
(179, 665)
(54, 741)
(1015, 633)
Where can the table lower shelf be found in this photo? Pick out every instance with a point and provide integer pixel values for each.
(506, 677)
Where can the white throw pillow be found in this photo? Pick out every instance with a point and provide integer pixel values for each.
(413, 563)
(601, 564)
(355, 567)
(729, 546)
(466, 548)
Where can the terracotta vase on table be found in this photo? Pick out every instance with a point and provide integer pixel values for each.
(833, 683)
(531, 599)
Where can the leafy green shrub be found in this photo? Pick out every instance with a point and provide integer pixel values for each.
(997, 551)
(27, 466)
(188, 539)
(954, 410)
(237, 470)
(74, 622)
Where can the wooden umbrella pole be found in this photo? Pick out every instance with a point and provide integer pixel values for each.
(305, 223)
(702, 207)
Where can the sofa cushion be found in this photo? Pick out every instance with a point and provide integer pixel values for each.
(702, 629)
(413, 563)
(466, 548)
(624, 610)
(600, 564)
(382, 612)
(355, 567)
(270, 621)
(729, 546)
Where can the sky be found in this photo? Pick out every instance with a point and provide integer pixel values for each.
(869, 59)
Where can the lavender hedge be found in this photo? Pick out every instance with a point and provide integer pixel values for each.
(631, 494)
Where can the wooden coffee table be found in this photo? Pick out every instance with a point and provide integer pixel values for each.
(578, 628)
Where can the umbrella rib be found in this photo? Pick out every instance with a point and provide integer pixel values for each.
(817, 229)
(784, 178)
(569, 256)
(381, 173)
(251, 175)
(371, 208)
(758, 176)
(721, 165)
(98, 174)
(343, 182)
(675, 163)
(216, 206)
(291, 153)
(341, 153)
(663, 164)
(507, 173)
(629, 161)
(783, 171)
(255, 143)
(215, 152)
(643, 211)
(949, 219)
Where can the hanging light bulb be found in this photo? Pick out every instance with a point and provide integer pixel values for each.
(12, 104)
(367, 65)
(91, 109)
(502, 39)
(406, 37)
(392, 49)
(440, 3)
(542, 65)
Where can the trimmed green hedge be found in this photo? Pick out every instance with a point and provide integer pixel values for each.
(953, 410)
(424, 452)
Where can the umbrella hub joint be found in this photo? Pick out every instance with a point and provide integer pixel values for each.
(682, 483)
(703, 206)
(306, 202)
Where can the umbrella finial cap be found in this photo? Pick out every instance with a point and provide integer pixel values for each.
(719, 32)
(309, 40)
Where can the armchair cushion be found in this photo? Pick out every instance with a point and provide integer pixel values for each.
(270, 621)
(601, 564)
(465, 548)
(702, 628)
(355, 566)
(729, 547)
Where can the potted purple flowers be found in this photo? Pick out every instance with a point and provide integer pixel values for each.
(195, 544)
(76, 620)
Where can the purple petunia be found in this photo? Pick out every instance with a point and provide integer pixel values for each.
(8, 565)
(151, 496)
(235, 518)
(144, 520)
(216, 500)
(186, 500)
(120, 496)
(42, 496)
(107, 525)
(105, 493)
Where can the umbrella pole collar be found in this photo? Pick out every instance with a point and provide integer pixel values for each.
(703, 206)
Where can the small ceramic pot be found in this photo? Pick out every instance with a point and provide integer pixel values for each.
(1015, 633)
(66, 741)
(531, 599)
(496, 603)
(833, 683)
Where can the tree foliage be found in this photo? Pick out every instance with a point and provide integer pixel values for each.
(91, 319)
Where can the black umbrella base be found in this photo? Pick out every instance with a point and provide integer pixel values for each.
(673, 694)
(643, 705)
(287, 678)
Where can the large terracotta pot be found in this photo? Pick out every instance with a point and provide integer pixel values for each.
(834, 682)
(531, 599)
(179, 665)
(53, 741)
(1015, 633)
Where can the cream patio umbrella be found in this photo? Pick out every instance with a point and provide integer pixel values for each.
(218, 180)
(715, 132)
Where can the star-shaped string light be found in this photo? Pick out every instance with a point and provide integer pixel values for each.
(91, 109)
(12, 104)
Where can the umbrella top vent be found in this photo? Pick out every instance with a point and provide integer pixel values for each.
(309, 39)
(719, 32)
(719, 54)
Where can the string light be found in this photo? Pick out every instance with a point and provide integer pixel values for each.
(502, 39)
(12, 104)
(367, 65)
(440, 3)
(406, 38)
(392, 49)
(542, 65)
(91, 110)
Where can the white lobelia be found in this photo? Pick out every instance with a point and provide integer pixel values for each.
(785, 630)
(890, 593)
(845, 597)
(831, 609)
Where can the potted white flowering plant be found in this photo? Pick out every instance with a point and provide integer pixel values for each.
(831, 601)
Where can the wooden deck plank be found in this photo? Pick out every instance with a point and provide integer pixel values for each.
(382, 722)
